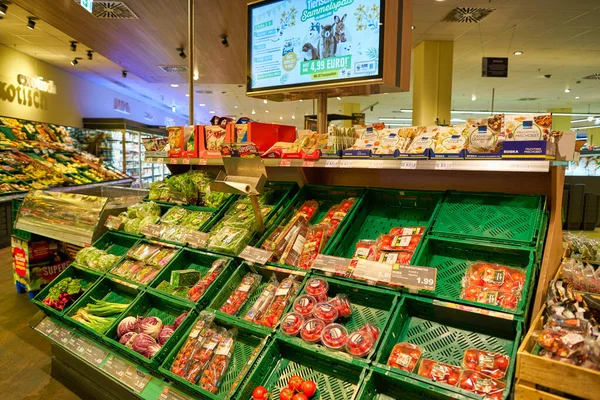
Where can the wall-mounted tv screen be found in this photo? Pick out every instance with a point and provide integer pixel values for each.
(295, 43)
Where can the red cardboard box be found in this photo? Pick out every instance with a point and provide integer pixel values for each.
(264, 136)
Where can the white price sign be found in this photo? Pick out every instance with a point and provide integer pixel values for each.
(255, 255)
(408, 164)
(332, 163)
(443, 164)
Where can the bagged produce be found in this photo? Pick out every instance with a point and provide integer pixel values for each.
(215, 371)
(489, 363)
(202, 356)
(261, 304)
(241, 294)
(439, 372)
(200, 287)
(282, 297)
(197, 334)
(405, 356)
(476, 382)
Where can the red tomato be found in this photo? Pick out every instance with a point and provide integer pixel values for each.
(299, 396)
(295, 382)
(286, 394)
(471, 293)
(471, 355)
(508, 286)
(501, 363)
(308, 388)
(519, 278)
(452, 379)
(260, 393)
(467, 384)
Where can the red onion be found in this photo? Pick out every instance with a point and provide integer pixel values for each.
(165, 334)
(141, 343)
(127, 324)
(151, 326)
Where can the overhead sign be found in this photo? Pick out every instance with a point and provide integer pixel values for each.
(37, 83)
(87, 4)
(122, 106)
(494, 67)
(303, 42)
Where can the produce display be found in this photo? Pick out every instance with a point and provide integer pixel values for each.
(493, 284)
(297, 388)
(178, 221)
(64, 293)
(582, 247)
(146, 335)
(196, 291)
(99, 315)
(240, 295)
(405, 356)
(191, 188)
(261, 304)
(580, 276)
(139, 215)
(144, 261)
(478, 383)
(93, 258)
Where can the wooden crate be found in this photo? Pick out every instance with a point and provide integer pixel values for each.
(528, 391)
(566, 378)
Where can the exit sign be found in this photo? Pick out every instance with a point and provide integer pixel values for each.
(87, 4)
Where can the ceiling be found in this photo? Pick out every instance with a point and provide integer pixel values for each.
(557, 38)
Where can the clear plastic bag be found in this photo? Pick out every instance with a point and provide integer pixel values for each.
(197, 334)
(283, 294)
(481, 384)
(199, 288)
(213, 374)
(262, 303)
(489, 363)
(240, 295)
(439, 371)
(405, 356)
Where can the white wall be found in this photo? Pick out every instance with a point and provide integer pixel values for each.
(75, 97)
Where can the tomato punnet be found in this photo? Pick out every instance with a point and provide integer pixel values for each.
(260, 393)
(373, 330)
(286, 394)
(317, 287)
(360, 343)
(478, 383)
(291, 323)
(304, 305)
(404, 356)
(342, 304)
(334, 336)
(326, 312)
(439, 372)
(312, 329)
(309, 388)
(295, 382)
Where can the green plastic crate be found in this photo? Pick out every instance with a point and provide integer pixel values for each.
(115, 243)
(382, 210)
(249, 343)
(452, 258)
(444, 333)
(336, 379)
(198, 261)
(88, 278)
(107, 290)
(504, 218)
(539, 248)
(326, 196)
(234, 281)
(370, 305)
(152, 304)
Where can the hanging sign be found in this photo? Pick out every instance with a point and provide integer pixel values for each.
(494, 67)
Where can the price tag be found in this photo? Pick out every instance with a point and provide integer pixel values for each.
(160, 160)
(62, 335)
(197, 239)
(414, 277)
(113, 223)
(36, 151)
(347, 164)
(172, 161)
(135, 379)
(335, 265)
(308, 163)
(185, 161)
(94, 354)
(373, 271)
(50, 151)
(285, 162)
(46, 326)
(152, 230)
(332, 163)
(443, 164)
(376, 164)
(475, 310)
(256, 255)
(78, 345)
(169, 393)
(202, 161)
(116, 367)
(408, 164)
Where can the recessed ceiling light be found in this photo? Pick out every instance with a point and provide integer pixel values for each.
(3, 9)
(211, 112)
(567, 90)
(234, 106)
(253, 112)
(174, 85)
(577, 97)
(267, 111)
(412, 27)
(187, 95)
(265, 101)
(518, 53)
(202, 105)
(301, 100)
(196, 76)
(293, 117)
(75, 61)
(473, 98)
(280, 117)
(339, 98)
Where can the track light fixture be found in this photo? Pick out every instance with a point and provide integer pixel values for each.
(3, 8)
(73, 45)
(31, 22)
(124, 73)
(181, 52)
(90, 54)
(75, 61)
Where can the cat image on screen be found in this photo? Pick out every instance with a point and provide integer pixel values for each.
(310, 52)
(328, 43)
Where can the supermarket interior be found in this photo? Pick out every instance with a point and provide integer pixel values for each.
(300, 199)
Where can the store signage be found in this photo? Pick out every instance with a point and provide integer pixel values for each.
(148, 116)
(255, 255)
(171, 394)
(494, 67)
(358, 118)
(37, 83)
(87, 4)
(414, 277)
(30, 92)
(46, 326)
(122, 106)
(331, 264)
(197, 239)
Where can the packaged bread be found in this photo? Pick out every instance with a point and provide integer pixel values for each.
(528, 127)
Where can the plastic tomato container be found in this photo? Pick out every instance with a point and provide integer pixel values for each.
(439, 372)
(405, 356)
(304, 305)
(492, 364)
(317, 287)
(479, 383)
(342, 304)
(360, 343)
(291, 324)
(326, 312)
(312, 329)
(334, 336)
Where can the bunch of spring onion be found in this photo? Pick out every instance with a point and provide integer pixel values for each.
(96, 314)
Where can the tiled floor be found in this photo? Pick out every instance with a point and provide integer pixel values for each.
(24, 355)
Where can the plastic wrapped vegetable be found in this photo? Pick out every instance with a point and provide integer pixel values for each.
(162, 257)
(132, 225)
(142, 251)
(215, 371)
(196, 334)
(439, 372)
(195, 219)
(342, 304)
(262, 303)
(230, 240)
(199, 288)
(561, 342)
(405, 356)
(476, 382)
(202, 358)
(241, 294)
(214, 199)
(81, 255)
(334, 336)
(491, 364)
(106, 261)
(282, 298)
(292, 323)
(313, 245)
(92, 257)
(173, 216)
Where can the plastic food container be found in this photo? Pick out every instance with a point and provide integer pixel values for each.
(491, 364)
(312, 329)
(481, 384)
(291, 324)
(405, 356)
(304, 305)
(360, 343)
(439, 372)
(334, 336)
(342, 303)
(325, 312)
(317, 287)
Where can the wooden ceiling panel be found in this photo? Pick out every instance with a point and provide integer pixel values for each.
(140, 45)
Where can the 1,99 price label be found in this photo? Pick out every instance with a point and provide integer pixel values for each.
(414, 277)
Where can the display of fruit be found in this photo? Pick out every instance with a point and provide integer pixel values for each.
(405, 356)
(492, 364)
(481, 384)
(341, 302)
(360, 343)
(493, 284)
(325, 312)
(334, 336)
(312, 329)
(292, 323)
(284, 292)
(439, 372)
(317, 287)
(241, 294)
(304, 305)
(297, 389)
(260, 393)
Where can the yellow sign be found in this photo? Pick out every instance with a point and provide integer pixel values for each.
(289, 61)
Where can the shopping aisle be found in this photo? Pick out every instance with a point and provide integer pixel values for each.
(24, 355)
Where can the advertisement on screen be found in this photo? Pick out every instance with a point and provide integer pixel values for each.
(305, 42)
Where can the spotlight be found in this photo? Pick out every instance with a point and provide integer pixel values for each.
(181, 52)
(567, 90)
(124, 73)
(518, 53)
(196, 76)
(265, 101)
(31, 23)
(73, 45)
(90, 54)
(473, 98)
(75, 61)
(3, 9)
(224, 41)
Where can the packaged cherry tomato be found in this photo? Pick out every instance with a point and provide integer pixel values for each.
(360, 343)
(399, 243)
(213, 374)
(241, 294)
(405, 356)
(202, 357)
(492, 364)
(494, 276)
(560, 342)
(262, 303)
(365, 249)
(479, 383)
(439, 372)
(291, 324)
(304, 305)
(314, 244)
(204, 283)
(196, 335)
(341, 302)
(289, 234)
(325, 312)
(334, 336)
(312, 329)
(284, 292)
(317, 287)
(293, 251)
(373, 330)
(501, 298)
